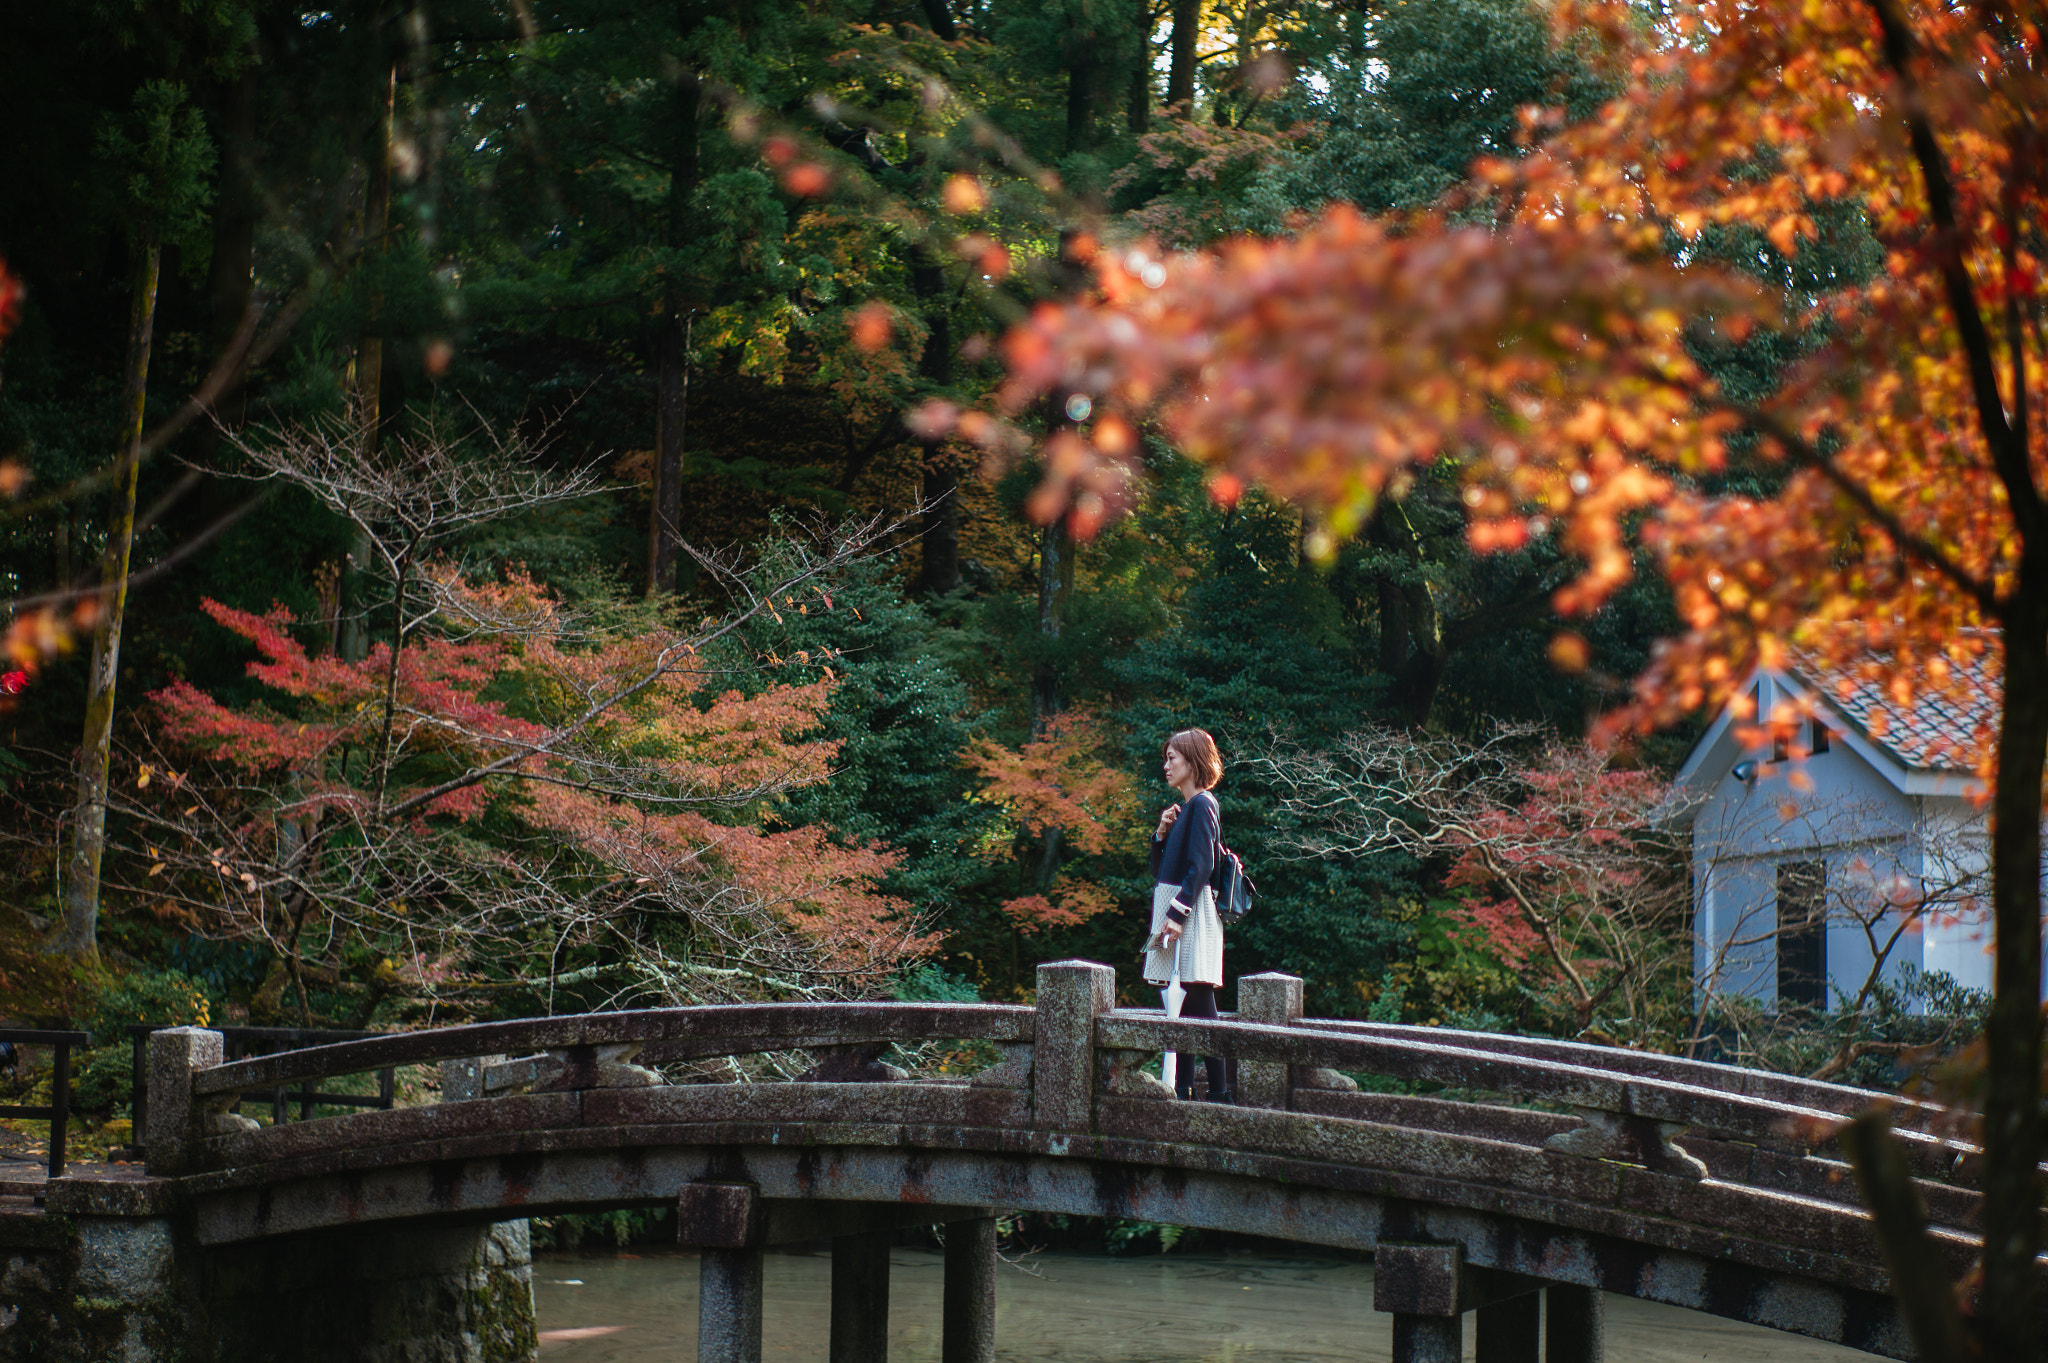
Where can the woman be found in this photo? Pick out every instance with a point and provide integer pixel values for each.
(1187, 937)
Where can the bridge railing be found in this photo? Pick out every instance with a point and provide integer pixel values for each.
(192, 1089)
(1630, 1106)
(1077, 1061)
(1792, 1090)
(58, 1110)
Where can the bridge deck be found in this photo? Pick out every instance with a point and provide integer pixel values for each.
(1668, 1179)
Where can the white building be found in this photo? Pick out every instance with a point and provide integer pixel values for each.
(1843, 842)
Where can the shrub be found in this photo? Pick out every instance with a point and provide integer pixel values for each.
(102, 1084)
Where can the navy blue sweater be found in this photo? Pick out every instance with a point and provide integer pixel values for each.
(1187, 854)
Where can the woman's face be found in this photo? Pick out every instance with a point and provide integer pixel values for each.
(1177, 769)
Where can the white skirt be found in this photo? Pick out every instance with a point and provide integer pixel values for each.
(1199, 954)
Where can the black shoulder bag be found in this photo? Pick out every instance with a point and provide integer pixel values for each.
(1232, 887)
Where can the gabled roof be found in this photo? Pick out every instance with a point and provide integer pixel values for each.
(1928, 746)
(1941, 730)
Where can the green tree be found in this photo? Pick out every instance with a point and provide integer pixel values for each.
(1261, 647)
(900, 715)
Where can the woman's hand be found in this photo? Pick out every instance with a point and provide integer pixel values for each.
(1166, 818)
(1170, 934)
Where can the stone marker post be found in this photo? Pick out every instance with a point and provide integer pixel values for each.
(1071, 995)
(171, 1144)
(1274, 1000)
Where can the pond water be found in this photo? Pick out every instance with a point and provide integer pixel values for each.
(1073, 1308)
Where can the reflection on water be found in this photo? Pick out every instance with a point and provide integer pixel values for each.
(1080, 1309)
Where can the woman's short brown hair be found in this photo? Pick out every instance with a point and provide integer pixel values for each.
(1198, 750)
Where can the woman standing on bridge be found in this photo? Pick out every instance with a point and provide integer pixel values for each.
(1186, 945)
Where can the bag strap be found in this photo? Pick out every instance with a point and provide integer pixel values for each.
(1217, 847)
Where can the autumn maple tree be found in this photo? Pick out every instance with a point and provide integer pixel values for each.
(1061, 800)
(648, 839)
(1554, 326)
(500, 772)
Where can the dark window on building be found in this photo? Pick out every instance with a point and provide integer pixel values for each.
(1780, 749)
(1818, 738)
(1803, 935)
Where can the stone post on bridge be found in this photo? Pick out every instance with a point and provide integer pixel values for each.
(1071, 995)
(171, 1142)
(1273, 999)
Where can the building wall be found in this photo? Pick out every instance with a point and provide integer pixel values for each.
(1832, 807)
(1956, 848)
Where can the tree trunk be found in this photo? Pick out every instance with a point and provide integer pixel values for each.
(79, 934)
(939, 528)
(1413, 653)
(2008, 1319)
(1141, 98)
(355, 624)
(1080, 104)
(1393, 628)
(672, 394)
(938, 15)
(231, 276)
(1055, 585)
(1180, 75)
(672, 405)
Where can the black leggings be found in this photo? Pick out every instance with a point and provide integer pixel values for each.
(1200, 1002)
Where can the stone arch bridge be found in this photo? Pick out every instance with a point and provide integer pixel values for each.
(1670, 1180)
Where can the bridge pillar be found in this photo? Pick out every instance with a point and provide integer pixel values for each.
(1577, 1327)
(729, 1306)
(1429, 1288)
(1429, 1339)
(728, 1223)
(1509, 1331)
(860, 1298)
(1420, 1284)
(968, 1333)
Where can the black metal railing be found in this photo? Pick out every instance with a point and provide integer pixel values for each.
(243, 1042)
(58, 1110)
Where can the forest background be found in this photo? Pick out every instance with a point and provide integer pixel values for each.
(562, 604)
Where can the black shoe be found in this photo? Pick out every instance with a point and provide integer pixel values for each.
(1228, 1096)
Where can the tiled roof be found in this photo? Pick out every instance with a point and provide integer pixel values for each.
(1944, 726)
